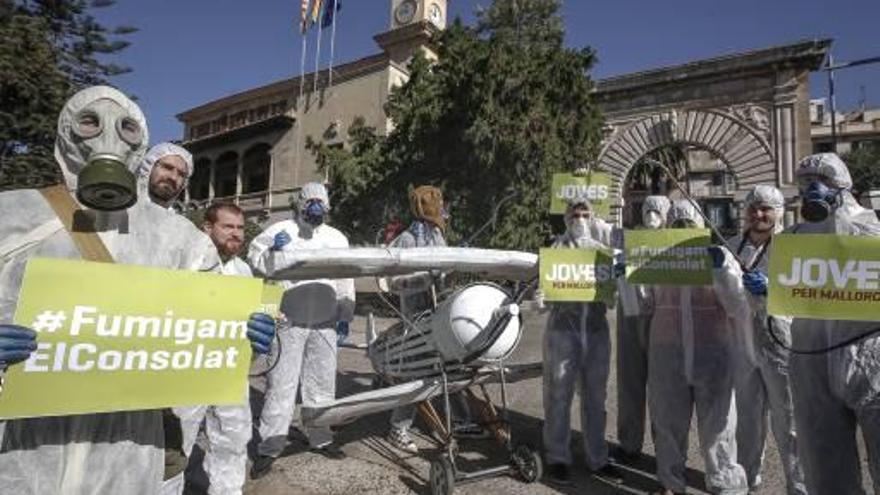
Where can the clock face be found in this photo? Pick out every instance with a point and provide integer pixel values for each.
(405, 12)
(435, 14)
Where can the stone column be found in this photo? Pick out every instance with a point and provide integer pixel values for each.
(784, 126)
(270, 186)
(239, 167)
(211, 177)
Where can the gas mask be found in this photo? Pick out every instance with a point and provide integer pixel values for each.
(579, 228)
(652, 219)
(818, 201)
(102, 136)
(313, 212)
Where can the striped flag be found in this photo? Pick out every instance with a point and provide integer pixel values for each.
(316, 10)
(304, 16)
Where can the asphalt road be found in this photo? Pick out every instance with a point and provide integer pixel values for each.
(372, 466)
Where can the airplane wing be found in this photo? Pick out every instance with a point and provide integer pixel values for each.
(347, 409)
(365, 262)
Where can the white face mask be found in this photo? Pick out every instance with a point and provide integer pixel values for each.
(580, 228)
(652, 219)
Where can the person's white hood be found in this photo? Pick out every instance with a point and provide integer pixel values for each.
(111, 108)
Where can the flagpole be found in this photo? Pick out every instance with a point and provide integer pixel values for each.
(300, 104)
(317, 56)
(332, 46)
(302, 66)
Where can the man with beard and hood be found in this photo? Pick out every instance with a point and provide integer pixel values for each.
(101, 138)
(227, 428)
(577, 351)
(690, 366)
(836, 392)
(632, 349)
(313, 310)
(165, 170)
(763, 387)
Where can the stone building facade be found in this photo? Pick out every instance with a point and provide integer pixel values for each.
(750, 111)
(250, 148)
(740, 120)
(854, 129)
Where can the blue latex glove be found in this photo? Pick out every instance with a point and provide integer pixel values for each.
(281, 239)
(261, 332)
(341, 331)
(16, 344)
(717, 256)
(755, 282)
(619, 269)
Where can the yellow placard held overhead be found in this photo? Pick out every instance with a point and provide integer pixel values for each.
(117, 337)
(595, 186)
(827, 277)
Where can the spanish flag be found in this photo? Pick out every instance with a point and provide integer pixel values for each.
(316, 10)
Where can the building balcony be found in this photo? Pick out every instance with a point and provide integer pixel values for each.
(244, 131)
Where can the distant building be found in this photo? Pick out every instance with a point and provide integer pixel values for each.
(727, 123)
(250, 147)
(854, 129)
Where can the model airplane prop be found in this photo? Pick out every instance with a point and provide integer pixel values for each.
(460, 344)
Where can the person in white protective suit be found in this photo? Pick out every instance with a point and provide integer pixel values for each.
(632, 349)
(163, 174)
(836, 392)
(313, 309)
(762, 384)
(690, 366)
(577, 351)
(165, 171)
(227, 428)
(102, 137)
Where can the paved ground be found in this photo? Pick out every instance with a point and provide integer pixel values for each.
(373, 467)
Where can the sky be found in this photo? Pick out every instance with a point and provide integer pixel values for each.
(190, 52)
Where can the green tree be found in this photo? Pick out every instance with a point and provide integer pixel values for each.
(864, 166)
(48, 50)
(32, 91)
(504, 107)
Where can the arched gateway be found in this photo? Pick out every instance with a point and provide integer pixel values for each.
(745, 152)
(749, 111)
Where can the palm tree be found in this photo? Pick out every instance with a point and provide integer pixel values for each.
(645, 176)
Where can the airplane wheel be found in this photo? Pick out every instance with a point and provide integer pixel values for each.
(442, 477)
(528, 463)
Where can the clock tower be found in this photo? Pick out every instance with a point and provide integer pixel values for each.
(412, 23)
(404, 12)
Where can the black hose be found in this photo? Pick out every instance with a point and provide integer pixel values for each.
(269, 356)
(824, 350)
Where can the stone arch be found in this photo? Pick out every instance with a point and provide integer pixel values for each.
(745, 152)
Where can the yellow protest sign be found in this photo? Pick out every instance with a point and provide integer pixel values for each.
(596, 186)
(576, 275)
(826, 277)
(273, 292)
(668, 256)
(116, 337)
